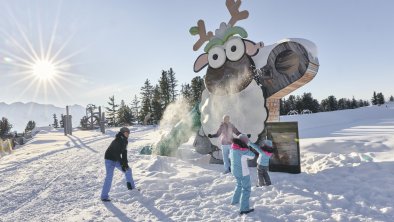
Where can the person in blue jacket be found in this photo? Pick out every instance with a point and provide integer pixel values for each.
(239, 155)
(265, 153)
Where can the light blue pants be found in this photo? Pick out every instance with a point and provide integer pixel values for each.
(226, 160)
(109, 168)
(242, 192)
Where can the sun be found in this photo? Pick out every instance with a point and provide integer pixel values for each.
(39, 61)
(44, 70)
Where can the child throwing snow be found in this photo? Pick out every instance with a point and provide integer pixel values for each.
(265, 154)
(239, 155)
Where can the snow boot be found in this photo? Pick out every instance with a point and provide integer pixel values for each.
(129, 187)
(246, 211)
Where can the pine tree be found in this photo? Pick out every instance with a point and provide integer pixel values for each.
(157, 109)
(135, 107)
(61, 122)
(186, 93)
(309, 103)
(354, 103)
(374, 99)
(391, 99)
(112, 111)
(30, 126)
(360, 103)
(172, 83)
(125, 116)
(164, 87)
(291, 103)
(342, 104)
(55, 122)
(197, 86)
(298, 104)
(380, 98)
(146, 100)
(5, 127)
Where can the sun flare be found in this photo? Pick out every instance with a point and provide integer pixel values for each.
(44, 70)
(40, 61)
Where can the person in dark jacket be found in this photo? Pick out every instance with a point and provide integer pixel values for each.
(225, 134)
(116, 156)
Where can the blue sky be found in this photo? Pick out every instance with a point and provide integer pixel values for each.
(113, 46)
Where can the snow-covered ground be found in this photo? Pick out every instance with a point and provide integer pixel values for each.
(347, 163)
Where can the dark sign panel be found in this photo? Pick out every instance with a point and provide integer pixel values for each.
(284, 136)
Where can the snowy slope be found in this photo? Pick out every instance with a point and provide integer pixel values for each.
(19, 114)
(347, 164)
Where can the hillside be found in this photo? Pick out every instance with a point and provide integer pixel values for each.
(19, 114)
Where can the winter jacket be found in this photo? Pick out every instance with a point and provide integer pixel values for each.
(264, 156)
(239, 155)
(225, 133)
(117, 150)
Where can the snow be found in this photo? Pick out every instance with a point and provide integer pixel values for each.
(347, 175)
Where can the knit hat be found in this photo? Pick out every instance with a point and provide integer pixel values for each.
(124, 129)
(244, 138)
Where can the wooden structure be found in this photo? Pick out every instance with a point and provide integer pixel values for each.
(289, 67)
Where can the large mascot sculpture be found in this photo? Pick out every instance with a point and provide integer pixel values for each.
(244, 79)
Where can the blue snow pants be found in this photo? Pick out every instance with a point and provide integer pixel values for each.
(226, 160)
(242, 192)
(109, 168)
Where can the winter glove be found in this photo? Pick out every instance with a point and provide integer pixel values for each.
(125, 167)
(209, 135)
(248, 135)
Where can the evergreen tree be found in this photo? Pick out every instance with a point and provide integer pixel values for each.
(5, 127)
(55, 121)
(374, 99)
(366, 103)
(342, 104)
(30, 126)
(61, 122)
(125, 115)
(146, 100)
(360, 103)
(197, 86)
(135, 107)
(112, 111)
(309, 103)
(186, 93)
(157, 108)
(291, 103)
(380, 99)
(354, 103)
(172, 83)
(329, 104)
(164, 88)
(391, 99)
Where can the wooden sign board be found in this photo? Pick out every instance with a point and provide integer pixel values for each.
(285, 138)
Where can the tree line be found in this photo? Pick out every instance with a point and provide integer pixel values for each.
(153, 100)
(306, 101)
